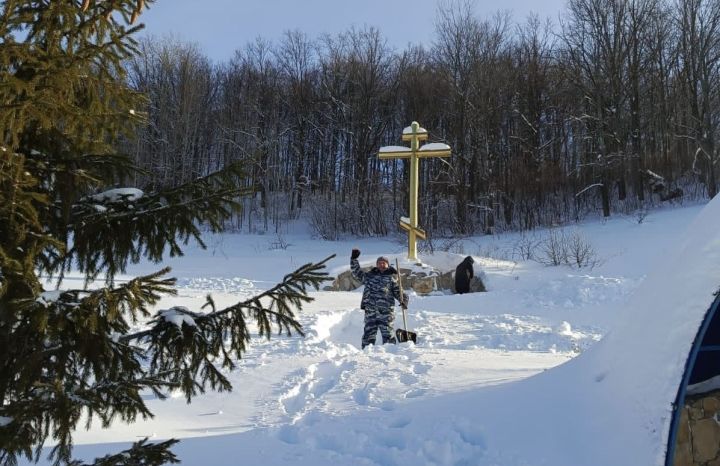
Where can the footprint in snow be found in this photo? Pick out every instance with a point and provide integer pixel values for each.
(392, 440)
(289, 434)
(421, 368)
(388, 405)
(314, 382)
(408, 379)
(470, 433)
(362, 395)
(400, 423)
(415, 393)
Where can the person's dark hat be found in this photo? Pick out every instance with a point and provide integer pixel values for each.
(383, 258)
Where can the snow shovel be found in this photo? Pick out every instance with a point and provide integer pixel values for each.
(403, 335)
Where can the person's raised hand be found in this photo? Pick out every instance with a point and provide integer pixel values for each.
(355, 254)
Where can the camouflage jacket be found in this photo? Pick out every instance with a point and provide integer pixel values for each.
(381, 288)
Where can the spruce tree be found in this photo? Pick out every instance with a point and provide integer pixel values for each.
(68, 355)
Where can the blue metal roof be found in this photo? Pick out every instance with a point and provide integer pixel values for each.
(702, 363)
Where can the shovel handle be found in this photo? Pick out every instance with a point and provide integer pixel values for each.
(402, 295)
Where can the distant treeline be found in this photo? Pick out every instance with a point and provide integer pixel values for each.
(614, 109)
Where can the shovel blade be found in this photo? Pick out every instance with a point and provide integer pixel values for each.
(405, 335)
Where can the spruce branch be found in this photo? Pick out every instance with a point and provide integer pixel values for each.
(189, 346)
(67, 359)
(147, 454)
(150, 225)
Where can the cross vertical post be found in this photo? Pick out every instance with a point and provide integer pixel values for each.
(414, 134)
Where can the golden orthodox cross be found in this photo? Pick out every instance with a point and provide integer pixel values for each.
(414, 133)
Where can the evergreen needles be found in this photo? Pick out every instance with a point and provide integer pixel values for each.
(73, 355)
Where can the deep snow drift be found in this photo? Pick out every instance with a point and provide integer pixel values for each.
(553, 366)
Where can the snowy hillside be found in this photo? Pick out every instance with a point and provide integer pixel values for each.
(488, 382)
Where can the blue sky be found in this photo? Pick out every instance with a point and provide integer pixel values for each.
(220, 27)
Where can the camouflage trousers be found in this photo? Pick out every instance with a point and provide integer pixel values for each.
(378, 319)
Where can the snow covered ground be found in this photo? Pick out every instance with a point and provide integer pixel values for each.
(454, 399)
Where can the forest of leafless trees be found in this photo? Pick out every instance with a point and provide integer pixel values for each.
(611, 109)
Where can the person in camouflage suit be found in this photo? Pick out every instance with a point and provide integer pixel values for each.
(378, 300)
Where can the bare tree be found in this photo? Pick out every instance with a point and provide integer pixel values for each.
(251, 129)
(535, 131)
(544, 128)
(296, 59)
(468, 54)
(597, 47)
(698, 68)
(359, 80)
(176, 146)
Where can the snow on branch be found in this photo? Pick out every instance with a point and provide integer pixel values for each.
(178, 315)
(587, 188)
(118, 195)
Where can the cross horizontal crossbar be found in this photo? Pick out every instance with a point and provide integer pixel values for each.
(409, 136)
